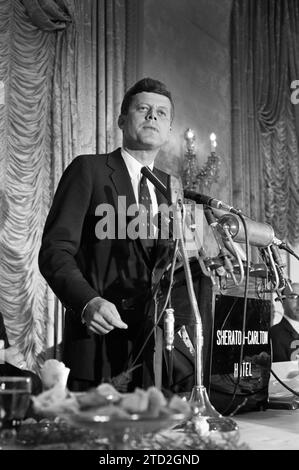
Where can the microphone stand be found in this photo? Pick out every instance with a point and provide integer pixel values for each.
(199, 400)
(169, 340)
(201, 405)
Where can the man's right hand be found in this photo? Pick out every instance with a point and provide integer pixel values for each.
(101, 316)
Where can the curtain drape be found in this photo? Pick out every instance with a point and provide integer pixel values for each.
(265, 161)
(25, 69)
(63, 87)
(48, 15)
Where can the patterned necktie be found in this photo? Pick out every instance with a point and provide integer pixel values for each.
(146, 213)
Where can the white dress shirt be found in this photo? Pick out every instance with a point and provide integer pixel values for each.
(134, 169)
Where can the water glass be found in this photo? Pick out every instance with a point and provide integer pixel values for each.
(15, 395)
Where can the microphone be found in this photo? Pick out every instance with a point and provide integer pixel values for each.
(146, 171)
(259, 234)
(224, 254)
(280, 266)
(169, 328)
(283, 246)
(209, 201)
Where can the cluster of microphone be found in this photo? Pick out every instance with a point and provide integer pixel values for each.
(227, 225)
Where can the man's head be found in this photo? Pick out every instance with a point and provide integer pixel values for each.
(146, 115)
(291, 301)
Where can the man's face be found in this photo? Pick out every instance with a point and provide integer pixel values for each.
(148, 123)
(291, 304)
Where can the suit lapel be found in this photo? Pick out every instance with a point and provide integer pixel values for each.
(289, 328)
(120, 178)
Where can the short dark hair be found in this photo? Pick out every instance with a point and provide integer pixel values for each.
(149, 85)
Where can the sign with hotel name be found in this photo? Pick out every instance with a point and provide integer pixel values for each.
(237, 338)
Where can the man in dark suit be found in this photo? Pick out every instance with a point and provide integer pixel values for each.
(285, 334)
(90, 255)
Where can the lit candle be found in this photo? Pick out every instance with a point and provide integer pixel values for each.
(213, 142)
(190, 139)
(189, 134)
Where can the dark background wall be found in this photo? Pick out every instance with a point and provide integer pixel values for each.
(186, 44)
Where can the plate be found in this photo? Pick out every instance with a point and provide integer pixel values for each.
(105, 425)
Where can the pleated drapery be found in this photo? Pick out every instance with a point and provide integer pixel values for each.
(64, 78)
(25, 69)
(265, 160)
(48, 15)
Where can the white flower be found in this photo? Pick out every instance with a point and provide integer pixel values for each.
(54, 373)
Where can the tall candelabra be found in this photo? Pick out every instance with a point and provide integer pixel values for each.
(195, 178)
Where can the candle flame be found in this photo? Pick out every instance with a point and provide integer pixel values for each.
(189, 134)
(213, 141)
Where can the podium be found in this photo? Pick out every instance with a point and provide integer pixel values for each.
(240, 385)
(232, 385)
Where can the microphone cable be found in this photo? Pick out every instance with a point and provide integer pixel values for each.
(172, 269)
(284, 384)
(244, 314)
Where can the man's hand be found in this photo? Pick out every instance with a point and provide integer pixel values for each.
(101, 316)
